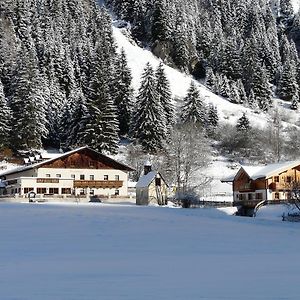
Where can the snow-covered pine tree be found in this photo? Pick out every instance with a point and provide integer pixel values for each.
(165, 96)
(65, 124)
(261, 88)
(5, 119)
(243, 123)
(241, 90)
(225, 87)
(234, 95)
(295, 101)
(27, 104)
(212, 118)
(76, 124)
(287, 84)
(210, 78)
(252, 101)
(124, 93)
(160, 29)
(101, 130)
(180, 53)
(193, 110)
(148, 118)
(230, 64)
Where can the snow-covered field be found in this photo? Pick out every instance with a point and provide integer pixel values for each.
(70, 252)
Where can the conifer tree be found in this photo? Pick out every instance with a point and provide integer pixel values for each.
(261, 88)
(252, 101)
(148, 118)
(231, 59)
(243, 124)
(180, 55)
(210, 79)
(101, 130)
(287, 84)
(234, 95)
(28, 107)
(160, 29)
(165, 96)
(213, 118)
(124, 93)
(225, 87)
(241, 91)
(79, 115)
(5, 119)
(295, 101)
(193, 110)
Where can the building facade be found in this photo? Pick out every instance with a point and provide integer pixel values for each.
(79, 172)
(274, 182)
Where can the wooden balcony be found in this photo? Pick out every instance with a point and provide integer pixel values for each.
(276, 186)
(98, 184)
(247, 187)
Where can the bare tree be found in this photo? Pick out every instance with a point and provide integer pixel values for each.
(187, 152)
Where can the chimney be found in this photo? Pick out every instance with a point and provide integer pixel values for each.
(147, 167)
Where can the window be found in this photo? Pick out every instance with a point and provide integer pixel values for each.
(47, 175)
(58, 175)
(41, 190)
(288, 179)
(105, 177)
(117, 192)
(92, 192)
(250, 197)
(276, 196)
(73, 176)
(258, 196)
(28, 189)
(66, 191)
(53, 190)
(117, 177)
(276, 178)
(92, 177)
(81, 177)
(242, 197)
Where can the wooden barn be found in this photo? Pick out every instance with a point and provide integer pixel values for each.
(151, 187)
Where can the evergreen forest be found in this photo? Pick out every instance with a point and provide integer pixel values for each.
(64, 83)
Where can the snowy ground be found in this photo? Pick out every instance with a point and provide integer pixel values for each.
(111, 252)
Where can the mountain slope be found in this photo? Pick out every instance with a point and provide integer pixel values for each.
(228, 112)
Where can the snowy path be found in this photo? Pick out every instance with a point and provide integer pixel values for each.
(127, 252)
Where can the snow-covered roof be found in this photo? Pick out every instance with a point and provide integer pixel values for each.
(145, 180)
(255, 172)
(39, 164)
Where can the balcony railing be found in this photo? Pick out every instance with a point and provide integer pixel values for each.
(276, 186)
(102, 184)
(246, 187)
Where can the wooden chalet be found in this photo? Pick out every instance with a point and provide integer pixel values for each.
(274, 183)
(82, 171)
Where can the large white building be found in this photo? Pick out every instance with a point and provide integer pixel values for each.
(80, 172)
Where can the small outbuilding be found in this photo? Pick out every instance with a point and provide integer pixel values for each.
(151, 187)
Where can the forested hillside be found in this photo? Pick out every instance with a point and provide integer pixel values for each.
(64, 83)
(243, 47)
(57, 71)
